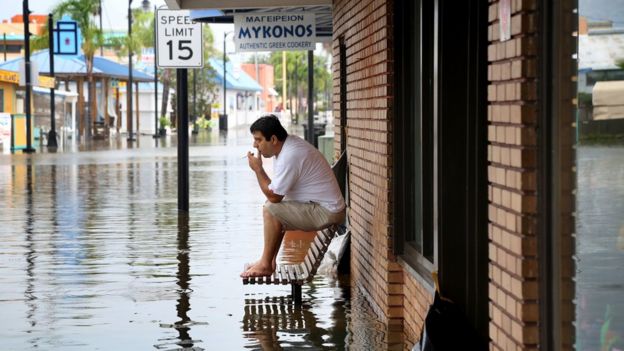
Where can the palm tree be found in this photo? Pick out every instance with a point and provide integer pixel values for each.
(83, 12)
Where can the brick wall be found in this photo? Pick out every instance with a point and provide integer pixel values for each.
(512, 176)
(365, 27)
(396, 295)
(399, 300)
(512, 152)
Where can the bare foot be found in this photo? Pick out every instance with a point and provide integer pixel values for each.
(250, 265)
(257, 270)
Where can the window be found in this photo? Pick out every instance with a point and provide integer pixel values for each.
(2, 100)
(415, 147)
(343, 94)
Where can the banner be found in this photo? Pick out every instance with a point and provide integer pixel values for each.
(274, 31)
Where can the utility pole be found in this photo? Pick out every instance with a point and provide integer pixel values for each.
(156, 133)
(5, 47)
(100, 13)
(129, 86)
(224, 116)
(52, 134)
(26, 17)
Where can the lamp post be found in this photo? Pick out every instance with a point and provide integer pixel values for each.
(145, 4)
(129, 87)
(26, 17)
(100, 15)
(223, 117)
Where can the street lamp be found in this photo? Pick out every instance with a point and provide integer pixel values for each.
(156, 133)
(129, 87)
(223, 117)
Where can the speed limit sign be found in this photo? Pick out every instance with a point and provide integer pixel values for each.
(179, 40)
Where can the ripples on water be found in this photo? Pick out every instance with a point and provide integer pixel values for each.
(95, 256)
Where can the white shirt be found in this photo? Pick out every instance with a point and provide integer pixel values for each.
(302, 174)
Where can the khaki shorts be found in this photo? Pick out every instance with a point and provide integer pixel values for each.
(304, 216)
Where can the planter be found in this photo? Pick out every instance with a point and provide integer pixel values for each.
(162, 131)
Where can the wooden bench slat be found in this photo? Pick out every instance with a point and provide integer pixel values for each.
(314, 252)
(279, 269)
(304, 271)
(318, 242)
(308, 263)
(291, 274)
(295, 273)
(303, 276)
(275, 279)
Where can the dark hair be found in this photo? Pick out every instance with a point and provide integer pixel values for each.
(269, 125)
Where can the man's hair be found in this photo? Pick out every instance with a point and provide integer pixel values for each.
(269, 125)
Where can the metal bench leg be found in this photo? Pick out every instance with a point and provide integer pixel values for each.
(296, 293)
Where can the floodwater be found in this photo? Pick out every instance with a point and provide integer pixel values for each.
(95, 256)
(600, 249)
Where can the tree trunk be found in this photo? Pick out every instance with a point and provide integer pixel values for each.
(165, 94)
(92, 107)
(92, 102)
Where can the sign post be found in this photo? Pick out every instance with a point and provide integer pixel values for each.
(179, 45)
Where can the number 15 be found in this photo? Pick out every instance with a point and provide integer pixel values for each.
(182, 46)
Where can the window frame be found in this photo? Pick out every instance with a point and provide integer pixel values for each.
(415, 120)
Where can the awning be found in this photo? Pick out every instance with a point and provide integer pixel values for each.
(608, 100)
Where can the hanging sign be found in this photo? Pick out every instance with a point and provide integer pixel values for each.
(8, 76)
(278, 31)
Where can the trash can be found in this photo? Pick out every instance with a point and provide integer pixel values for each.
(319, 129)
(223, 122)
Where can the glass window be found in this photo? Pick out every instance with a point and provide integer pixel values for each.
(414, 150)
(600, 177)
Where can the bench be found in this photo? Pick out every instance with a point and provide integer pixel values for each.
(298, 274)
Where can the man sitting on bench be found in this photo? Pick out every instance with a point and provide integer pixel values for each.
(303, 194)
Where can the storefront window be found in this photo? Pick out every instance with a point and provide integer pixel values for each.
(415, 122)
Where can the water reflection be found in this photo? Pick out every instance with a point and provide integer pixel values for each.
(600, 277)
(30, 254)
(183, 305)
(276, 323)
(94, 255)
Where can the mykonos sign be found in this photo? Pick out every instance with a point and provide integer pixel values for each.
(274, 31)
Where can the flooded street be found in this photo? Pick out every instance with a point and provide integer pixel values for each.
(600, 248)
(94, 256)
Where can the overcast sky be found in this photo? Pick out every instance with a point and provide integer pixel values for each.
(114, 14)
(115, 11)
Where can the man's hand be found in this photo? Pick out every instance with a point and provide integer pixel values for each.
(255, 163)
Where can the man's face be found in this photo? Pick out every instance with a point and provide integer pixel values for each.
(265, 147)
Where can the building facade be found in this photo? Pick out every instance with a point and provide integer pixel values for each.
(461, 161)
(458, 121)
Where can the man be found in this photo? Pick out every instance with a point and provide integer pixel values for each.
(303, 194)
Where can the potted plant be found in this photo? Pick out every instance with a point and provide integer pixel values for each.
(204, 123)
(164, 123)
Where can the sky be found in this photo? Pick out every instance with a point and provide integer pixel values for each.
(114, 15)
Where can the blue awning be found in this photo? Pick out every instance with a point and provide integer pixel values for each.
(238, 81)
(62, 65)
(113, 69)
